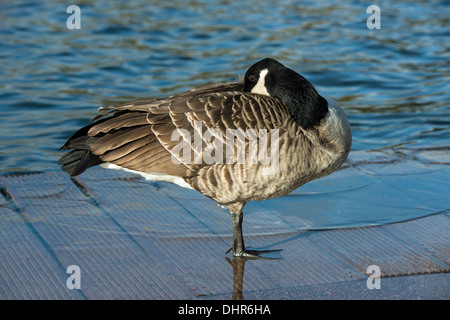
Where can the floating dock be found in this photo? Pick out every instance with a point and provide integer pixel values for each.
(132, 239)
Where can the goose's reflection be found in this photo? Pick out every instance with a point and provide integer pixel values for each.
(238, 264)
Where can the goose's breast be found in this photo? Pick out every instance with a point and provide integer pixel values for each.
(287, 165)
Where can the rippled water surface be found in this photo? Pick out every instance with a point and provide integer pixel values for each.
(393, 83)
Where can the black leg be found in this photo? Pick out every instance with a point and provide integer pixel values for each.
(238, 238)
(238, 246)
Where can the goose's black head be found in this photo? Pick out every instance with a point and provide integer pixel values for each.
(271, 78)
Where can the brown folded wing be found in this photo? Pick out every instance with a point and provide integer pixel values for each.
(144, 135)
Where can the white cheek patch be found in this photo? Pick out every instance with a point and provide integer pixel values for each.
(260, 87)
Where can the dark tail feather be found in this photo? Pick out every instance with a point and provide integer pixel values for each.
(81, 158)
(77, 161)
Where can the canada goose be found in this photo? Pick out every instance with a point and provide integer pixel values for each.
(313, 139)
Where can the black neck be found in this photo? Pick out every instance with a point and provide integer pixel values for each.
(305, 105)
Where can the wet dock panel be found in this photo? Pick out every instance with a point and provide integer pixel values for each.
(134, 239)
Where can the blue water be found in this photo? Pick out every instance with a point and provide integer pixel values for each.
(393, 82)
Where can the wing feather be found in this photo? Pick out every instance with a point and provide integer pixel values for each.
(139, 135)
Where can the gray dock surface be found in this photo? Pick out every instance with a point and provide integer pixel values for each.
(133, 239)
